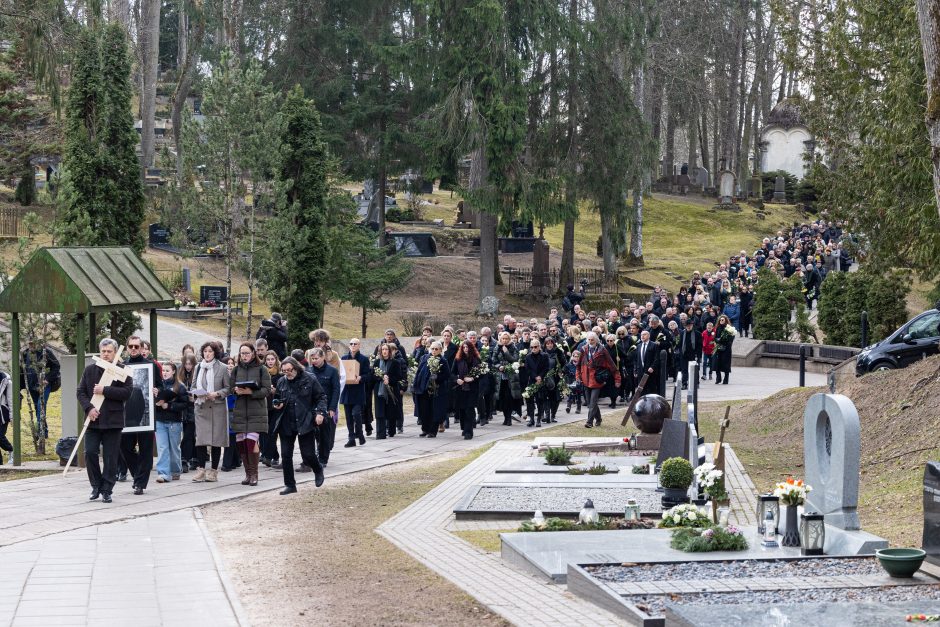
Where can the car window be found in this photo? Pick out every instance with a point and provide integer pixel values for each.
(925, 327)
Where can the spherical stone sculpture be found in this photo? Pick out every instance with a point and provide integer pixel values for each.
(650, 412)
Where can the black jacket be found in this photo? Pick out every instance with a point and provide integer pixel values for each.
(177, 401)
(536, 365)
(111, 415)
(276, 335)
(303, 399)
(33, 363)
(328, 376)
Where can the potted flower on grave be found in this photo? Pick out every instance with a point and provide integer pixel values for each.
(191, 304)
(712, 483)
(675, 477)
(792, 493)
(177, 304)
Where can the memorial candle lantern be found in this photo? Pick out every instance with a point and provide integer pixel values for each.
(538, 518)
(632, 510)
(812, 534)
(588, 514)
(767, 502)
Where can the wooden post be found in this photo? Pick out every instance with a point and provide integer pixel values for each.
(92, 334)
(153, 334)
(80, 368)
(17, 397)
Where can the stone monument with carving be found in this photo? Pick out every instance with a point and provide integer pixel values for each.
(832, 449)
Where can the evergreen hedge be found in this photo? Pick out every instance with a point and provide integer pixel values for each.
(844, 296)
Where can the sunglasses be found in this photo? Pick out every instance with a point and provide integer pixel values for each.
(133, 345)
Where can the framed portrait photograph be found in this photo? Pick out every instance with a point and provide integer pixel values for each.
(139, 409)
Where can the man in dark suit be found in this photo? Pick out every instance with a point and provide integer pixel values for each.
(686, 350)
(104, 431)
(646, 361)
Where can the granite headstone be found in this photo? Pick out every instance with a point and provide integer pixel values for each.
(832, 449)
(674, 441)
(932, 512)
(780, 190)
(726, 183)
(215, 293)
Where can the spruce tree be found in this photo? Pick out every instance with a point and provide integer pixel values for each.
(295, 252)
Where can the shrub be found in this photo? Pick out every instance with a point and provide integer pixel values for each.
(412, 323)
(597, 469)
(400, 214)
(560, 456)
(845, 295)
(560, 524)
(602, 303)
(771, 310)
(676, 473)
(709, 539)
(769, 180)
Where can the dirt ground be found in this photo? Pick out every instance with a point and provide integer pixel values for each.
(313, 557)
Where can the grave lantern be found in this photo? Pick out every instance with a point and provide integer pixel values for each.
(588, 514)
(812, 534)
(632, 510)
(633, 441)
(767, 502)
(769, 535)
(538, 518)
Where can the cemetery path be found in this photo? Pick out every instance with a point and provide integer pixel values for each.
(421, 530)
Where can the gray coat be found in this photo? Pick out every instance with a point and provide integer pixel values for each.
(212, 416)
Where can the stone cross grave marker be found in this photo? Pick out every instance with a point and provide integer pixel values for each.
(832, 449)
(674, 441)
(932, 512)
(489, 306)
(718, 453)
(726, 187)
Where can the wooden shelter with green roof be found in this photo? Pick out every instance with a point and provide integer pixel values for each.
(83, 281)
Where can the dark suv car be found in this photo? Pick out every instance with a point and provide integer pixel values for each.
(918, 339)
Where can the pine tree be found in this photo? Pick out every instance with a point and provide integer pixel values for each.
(295, 253)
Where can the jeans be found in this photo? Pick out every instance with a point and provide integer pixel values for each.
(706, 365)
(169, 437)
(109, 440)
(41, 409)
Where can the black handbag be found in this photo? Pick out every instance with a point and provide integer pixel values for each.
(602, 376)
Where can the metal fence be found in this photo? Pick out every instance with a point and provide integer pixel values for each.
(521, 281)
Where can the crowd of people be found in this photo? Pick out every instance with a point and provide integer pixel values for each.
(215, 411)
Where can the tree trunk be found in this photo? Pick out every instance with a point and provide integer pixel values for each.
(642, 184)
(364, 326)
(149, 57)
(703, 137)
(608, 252)
(692, 127)
(478, 176)
(729, 131)
(669, 157)
(566, 275)
(251, 267)
(656, 115)
(231, 25)
(928, 19)
(383, 176)
(186, 71)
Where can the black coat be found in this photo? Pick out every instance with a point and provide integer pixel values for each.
(468, 393)
(328, 376)
(722, 357)
(276, 335)
(32, 367)
(111, 415)
(355, 393)
(177, 400)
(303, 399)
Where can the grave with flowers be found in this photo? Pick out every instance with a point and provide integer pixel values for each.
(807, 556)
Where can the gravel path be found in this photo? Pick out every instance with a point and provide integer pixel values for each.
(525, 499)
(737, 569)
(655, 605)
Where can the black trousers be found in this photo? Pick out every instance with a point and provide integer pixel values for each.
(230, 458)
(386, 419)
(467, 416)
(326, 435)
(424, 405)
(353, 420)
(188, 444)
(506, 402)
(203, 455)
(308, 453)
(137, 451)
(109, 441)
(367, 412)
(269, 439)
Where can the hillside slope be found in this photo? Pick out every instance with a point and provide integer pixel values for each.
(900, 417)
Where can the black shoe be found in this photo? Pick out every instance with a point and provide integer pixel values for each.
(288, 490)
(138, 491)
(350, 443)
(266, 461)
(122, 476)
(598, 422)
(318, 479)
(568, 409)
(226, 469)
(432, 435)
(368, 430)
(725, 382)
(184, 467)
(362, 439)
(613, 404)
(400, 430)
(324, 462)
(276, 465)
(380, 437)
(578, 410)
(588, 425)
(95, 493)
(507, 423)
(422, 435)
(106, 497)
(531, 423)
(303, 468)
(538, 423)
(685, 387)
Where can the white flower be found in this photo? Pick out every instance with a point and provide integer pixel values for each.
(515, 366)
(677, 518)
(691, 516)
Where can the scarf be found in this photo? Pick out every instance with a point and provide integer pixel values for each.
(207, 375)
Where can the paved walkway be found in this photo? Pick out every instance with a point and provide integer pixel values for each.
(421, 530)
(156, 570)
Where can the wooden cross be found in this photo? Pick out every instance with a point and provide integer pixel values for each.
(718, 453)
(635, 399)
(112, 373)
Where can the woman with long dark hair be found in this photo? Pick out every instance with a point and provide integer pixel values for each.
(269, 454)
(169, 406)
(432, 375)
(387, 391)
(724, 338)
(188, 445)
(468, 386)
(508, 388)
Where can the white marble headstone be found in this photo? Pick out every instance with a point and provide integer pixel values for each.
(726, 186)
(832, 448)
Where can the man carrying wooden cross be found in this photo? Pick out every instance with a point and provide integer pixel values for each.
(107, 380)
